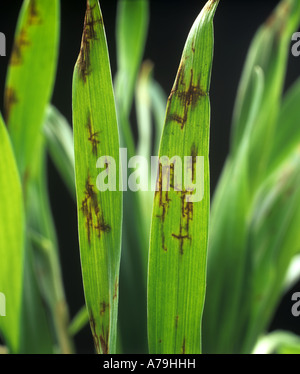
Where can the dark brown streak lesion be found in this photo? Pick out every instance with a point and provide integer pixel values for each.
(164, 247)
(181, 237)
(89, 35)
(20, 43)
(90, 209)
(101, 225)
(191, 96)
(187, 215)
(183, 348)
(85, 208)
(104, 338)
(101, 341)
(84, 63)
(34, 17)
(93, 136)
(163, 196)
(194, 153)
(188, 97)
(10, 99)
(91, 22)
(116, 288)
(94, 333)
(104, 307)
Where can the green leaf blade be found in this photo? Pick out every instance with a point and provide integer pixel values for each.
(26, 95)
(179, 233)
(12, 229)
(99, 213)
(60, 144)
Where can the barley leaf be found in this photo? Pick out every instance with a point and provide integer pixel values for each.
(131, 31)
(158, 102)
(99, 213)
(269, 50)
(31, 76)
(59, 139)
(287, 132)
(179, 233)
(229, 241)
(273, 242)
(278, 342)
(12, 231)
(132, 25)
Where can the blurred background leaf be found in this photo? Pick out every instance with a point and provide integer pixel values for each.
(12, 230)
(99, 211)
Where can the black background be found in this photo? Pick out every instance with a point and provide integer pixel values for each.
(235, 24)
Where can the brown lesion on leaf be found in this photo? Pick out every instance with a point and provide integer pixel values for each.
(210, 4)
(279, 15)
(34, 17)
(163, 196)
(191, 96)
(91, 211)
(101, 225)
(20, 43)
(84, 62)
(104, 339)
(189, 212)
(10, 99)
(183, 348)
(278, 20)
(101, 341)
(179, 79)
(93, 136)
(116, 289)
(90, 21)
(94, 333)
(181, 120)
(103, 307)
(194, 153)
(188, 96)
(181, 237)
(85, 208)
(193, 46)
(89, 35)
(172, 177)
(164, 247)
(187, 215)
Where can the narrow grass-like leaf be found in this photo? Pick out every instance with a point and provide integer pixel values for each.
(273, 242)
(179, 233)
(144, 147)
(287, 131)
(31, 76)
(80, 320)
(12, 229)
(131, 31)
(60, 145)
(227, 245)
(225, 332)
(293, 274)
(132, 25)
(159, 103)
(28, 90)
(269, 50)
(278, 342)
(99, 213)
(42, 237)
